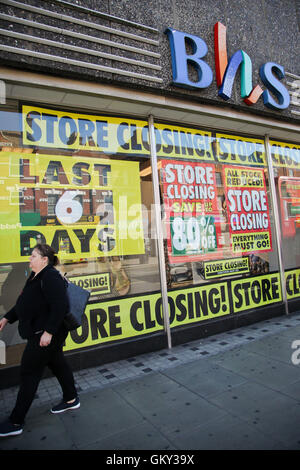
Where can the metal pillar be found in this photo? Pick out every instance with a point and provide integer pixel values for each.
(277, 222)
(159, 231)
(2, 92)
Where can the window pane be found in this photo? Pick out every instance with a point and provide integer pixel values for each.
(89, 195)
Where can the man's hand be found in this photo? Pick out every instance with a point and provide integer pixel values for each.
(3, 322)
(45, 339)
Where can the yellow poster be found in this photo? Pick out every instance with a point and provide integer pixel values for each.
(117, 319)
(51, 128)
(82, 207)
(254, 292)
(285, 155)
(182, 142)
(292, 278)
(43, 127)
(240, 150)
(226, 267)
(97, 283)
(125, 318)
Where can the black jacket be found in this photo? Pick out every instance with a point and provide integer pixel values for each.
(41, 305)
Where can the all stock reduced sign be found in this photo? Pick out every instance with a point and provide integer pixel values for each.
(247, 209)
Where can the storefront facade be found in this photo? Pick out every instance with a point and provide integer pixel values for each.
(158, 152)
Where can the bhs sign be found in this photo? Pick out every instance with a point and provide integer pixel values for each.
(270, 73)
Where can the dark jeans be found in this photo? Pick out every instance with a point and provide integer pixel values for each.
(34, 361)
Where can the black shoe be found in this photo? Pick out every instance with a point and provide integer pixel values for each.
(64, 406)
(9, 429)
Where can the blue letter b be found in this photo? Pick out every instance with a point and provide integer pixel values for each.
(180, 59)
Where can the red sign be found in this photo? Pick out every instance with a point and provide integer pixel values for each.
(192, 215)
(289, 197)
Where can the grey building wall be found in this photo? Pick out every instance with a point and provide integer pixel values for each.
(268, 30)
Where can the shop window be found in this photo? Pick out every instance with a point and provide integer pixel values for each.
(90, 198)
(83, 183)
(220, 247)
(286, 162)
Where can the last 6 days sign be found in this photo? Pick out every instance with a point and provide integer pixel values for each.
(75, 204)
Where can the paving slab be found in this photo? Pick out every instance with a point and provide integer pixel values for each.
(205, 380)
(99, 417)
(227, 433)
(142, 436)
(42, 432)
(259, 367)
(249, 400)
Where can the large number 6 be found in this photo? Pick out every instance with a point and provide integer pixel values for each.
(67, 209)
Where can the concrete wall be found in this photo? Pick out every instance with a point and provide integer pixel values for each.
(267, 30)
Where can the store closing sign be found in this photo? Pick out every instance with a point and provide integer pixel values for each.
(139, 315)
(190, 202)
(48, 128)
(98, 283)
(292, 283)
(247, 209)
(240, 150)
(74, 204)
(285, 155)
(225, 267)
(124, 318)
(51, 128)
(255, 292)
